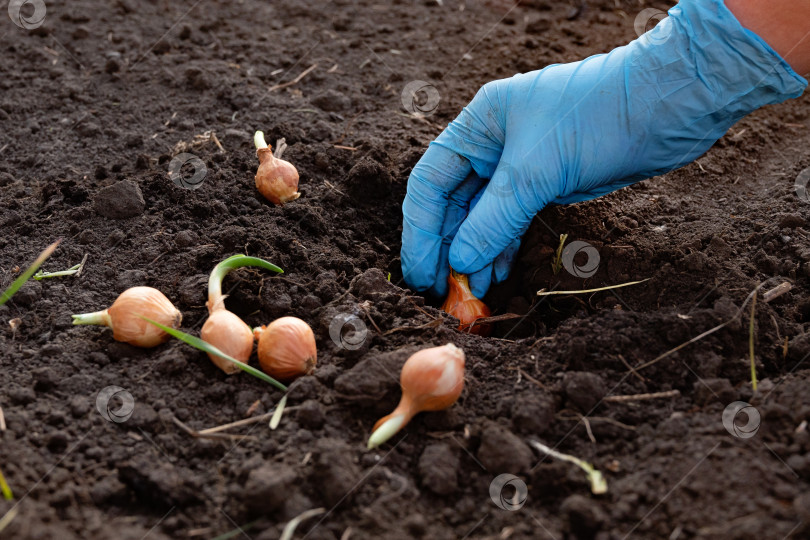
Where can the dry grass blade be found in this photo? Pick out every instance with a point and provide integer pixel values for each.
(751, 342)
(238, 423)
(642, 397)
(294, 81)
(8, 518)
(776, 292)
(430, 324)
(25, 276)
(215, 436)
(631, 368)
(245, 422)
(543, 292)
(489, 320)
(556, 264)
(577, 417)
(531, 379)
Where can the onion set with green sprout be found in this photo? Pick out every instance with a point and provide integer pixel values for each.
(276, 179)
(224, 329)
(431, 380)
(125, 317)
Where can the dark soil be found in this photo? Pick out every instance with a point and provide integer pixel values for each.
(94, 106)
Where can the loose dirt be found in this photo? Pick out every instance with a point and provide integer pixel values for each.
(98, 102)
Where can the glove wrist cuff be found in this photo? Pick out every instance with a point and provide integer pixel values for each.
(728, 56)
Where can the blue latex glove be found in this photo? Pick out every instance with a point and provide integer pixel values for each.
(572, 132)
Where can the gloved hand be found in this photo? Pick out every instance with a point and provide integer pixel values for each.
(572, 132)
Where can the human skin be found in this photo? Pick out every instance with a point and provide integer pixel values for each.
(783, 24)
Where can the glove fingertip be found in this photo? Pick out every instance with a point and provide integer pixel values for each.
(480, 281)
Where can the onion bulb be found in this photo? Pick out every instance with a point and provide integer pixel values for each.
(431, 380)
(230, 334)
(286, 348)
(224, 329)
(124, 317)
(465, 307)
(276, 179)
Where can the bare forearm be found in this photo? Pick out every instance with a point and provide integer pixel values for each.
(783, 24)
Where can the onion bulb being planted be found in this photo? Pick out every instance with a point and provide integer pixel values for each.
(286, 348)
(125, 317)
(465, 307)
(224, 329)
(431, 380)
(276, 179)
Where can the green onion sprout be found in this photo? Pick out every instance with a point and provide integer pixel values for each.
(25, 276)
(595, 477)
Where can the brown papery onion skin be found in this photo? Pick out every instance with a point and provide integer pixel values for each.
(228, 333)
(125, 317)
(431, 380)
(464, 306)
(276, 179)
(287, 348)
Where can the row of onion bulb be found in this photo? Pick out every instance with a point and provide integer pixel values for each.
(431, 379)
(286, 346)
